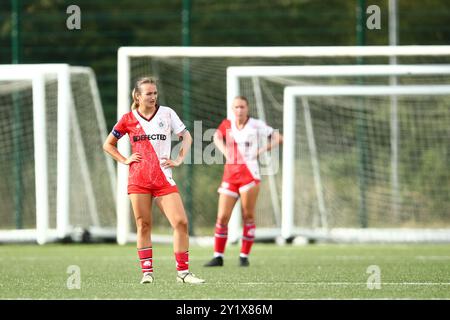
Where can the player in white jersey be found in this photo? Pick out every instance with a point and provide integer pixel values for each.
(149, 127)
(241, 141)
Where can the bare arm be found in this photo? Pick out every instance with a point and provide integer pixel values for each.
(275, 140)
(110, 147)
(185, 147)
(218, 141)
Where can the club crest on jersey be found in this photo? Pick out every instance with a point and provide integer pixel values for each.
(138, 126)
(162, 124)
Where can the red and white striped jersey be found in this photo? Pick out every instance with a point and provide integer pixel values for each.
(242, 147)
(152, 139)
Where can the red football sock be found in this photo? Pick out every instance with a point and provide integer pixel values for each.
(182, 259)
(146, 259)
(220, 238)
(248, 237)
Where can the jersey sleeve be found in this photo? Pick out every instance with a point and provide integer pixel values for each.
(120, 129)
(176, 124)
(222, 129)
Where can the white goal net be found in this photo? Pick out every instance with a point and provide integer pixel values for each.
(338, 161)
(57, 184)
(375, 190)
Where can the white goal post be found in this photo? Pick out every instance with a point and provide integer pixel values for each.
(291, 93)
(125, 77)
(41, 233)
(64, 79)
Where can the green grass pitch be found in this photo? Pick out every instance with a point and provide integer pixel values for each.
(322, 271)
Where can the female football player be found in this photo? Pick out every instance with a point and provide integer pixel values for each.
(238, 140)
(149, 127)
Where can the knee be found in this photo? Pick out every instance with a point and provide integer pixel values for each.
(143, 226)
(181, 224)
(223, 217)
(248, 215)
(222, 221)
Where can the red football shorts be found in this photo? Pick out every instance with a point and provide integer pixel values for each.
(154, 192)
(235, 188)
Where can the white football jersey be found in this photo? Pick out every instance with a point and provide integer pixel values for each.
(246, 141)
(152, 138)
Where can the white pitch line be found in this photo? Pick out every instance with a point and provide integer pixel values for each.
(348, 283)
(350, 258)
(433, 257)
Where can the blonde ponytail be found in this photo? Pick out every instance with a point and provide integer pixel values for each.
(135, 103)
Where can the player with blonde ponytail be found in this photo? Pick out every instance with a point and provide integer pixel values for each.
(149, 127)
